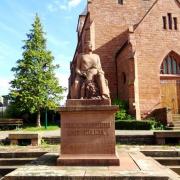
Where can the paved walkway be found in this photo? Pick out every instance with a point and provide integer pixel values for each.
(4, 134)
(133, 165)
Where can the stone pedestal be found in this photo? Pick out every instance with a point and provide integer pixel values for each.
(88, 135)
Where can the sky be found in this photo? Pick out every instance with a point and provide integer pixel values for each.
(59, 19)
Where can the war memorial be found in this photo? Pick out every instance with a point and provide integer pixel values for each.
(124, 51)
(88, 143)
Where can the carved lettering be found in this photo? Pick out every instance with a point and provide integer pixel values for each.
(88, 125)
(87, 129)
(87, 132)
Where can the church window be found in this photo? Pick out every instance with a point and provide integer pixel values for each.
(164, 22)
(170, 20)
(175, 23)
(170, 66)
(120, 1)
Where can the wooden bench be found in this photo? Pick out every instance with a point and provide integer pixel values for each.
(164, 137)
(33, 139)
(4, 123)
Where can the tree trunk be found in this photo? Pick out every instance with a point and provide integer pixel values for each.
(38, 122)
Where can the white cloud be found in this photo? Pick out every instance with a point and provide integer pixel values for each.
(56, 6)
(63, 5)
(74, 3)
(51, 8)
(4, 86)
(63, 81)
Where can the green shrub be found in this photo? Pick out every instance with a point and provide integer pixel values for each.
(138, 125)
(121, 103)
(123, 109)
(156, 125)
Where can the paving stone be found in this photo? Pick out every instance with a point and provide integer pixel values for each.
(128, 170)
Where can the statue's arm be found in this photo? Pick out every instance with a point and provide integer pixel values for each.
(99, 65)
(78, 65)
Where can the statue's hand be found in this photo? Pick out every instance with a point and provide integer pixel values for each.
(83, 75)
(101, 72)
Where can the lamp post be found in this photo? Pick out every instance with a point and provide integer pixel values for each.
(45, 69)
(1, 105)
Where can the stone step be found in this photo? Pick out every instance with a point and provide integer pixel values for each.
(177, 125)
(168, 161)
(176, 117)
(176, 122)
(176, 128)
(161, 153)
(7, 169)
(15, 161)
(21, 154)
(176, 169)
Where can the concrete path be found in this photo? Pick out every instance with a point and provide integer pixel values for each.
(4, 134)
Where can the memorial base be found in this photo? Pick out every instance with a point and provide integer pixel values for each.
(88, 135)
(88, 160)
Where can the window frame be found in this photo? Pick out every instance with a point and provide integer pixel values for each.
(170, 66)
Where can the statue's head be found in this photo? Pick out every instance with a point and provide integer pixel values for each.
(88, 46)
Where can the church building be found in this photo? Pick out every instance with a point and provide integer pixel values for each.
(138, 42)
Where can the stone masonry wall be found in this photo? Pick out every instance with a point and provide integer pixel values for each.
(125, 76)
(111, 21)
(152, 44)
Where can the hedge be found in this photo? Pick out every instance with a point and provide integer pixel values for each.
(138, 125)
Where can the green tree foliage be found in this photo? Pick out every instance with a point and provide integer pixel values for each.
(35, 86)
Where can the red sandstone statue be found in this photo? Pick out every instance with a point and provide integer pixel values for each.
(89, 82)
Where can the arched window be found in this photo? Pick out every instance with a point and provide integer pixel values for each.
(170, 66)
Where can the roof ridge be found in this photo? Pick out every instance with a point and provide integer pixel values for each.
(136, 26)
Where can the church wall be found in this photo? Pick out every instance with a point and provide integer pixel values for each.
(111, 21)
(152, 44)
(125, 77)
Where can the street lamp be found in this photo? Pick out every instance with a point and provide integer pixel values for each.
(1, 105)
(45, 69)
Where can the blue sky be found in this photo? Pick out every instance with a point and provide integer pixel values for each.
(59, 19)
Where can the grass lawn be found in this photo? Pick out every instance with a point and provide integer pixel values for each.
(42, 128)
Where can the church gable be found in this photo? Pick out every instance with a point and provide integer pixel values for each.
(164, 13)
(155, 36)
(159, 29)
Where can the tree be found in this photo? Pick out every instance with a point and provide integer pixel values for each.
(35, 86)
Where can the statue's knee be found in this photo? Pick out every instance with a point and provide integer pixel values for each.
(76, 83)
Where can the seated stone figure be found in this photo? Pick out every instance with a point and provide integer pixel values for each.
(89, 82)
